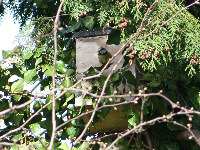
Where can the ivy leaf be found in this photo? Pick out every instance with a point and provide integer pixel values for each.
(16, 137)
(90, 72)
(73, 27)
(103, 113)
(17, 116)
(38, 61)
(38, 144)
(49, 98)
(64, 147)
(130, 77)
(14, 147)
(115, 77)
(84, 146)
(135, 118)
(68, 99)
(28, 55)
(69, 72)
(155, 83)
(29, 75)
(47, 69)
(67, 82)
(35, 128)
(129, 110)
(17, 87)
(71, 131)
(60, 66)
(147, 77)
(89, 22)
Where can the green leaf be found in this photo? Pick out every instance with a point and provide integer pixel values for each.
(64, 146)
(37, 105)
(89, 22)
(73, 53)
(69, 72)
(4, 104)
(35, 128)
(29, 75)
(84, 146)
(130, 77)
(103, 113)
(67, 82)
(155, 83)
(60, 66)
(114, 37)
(68, 99)
(38, 61)
(49, 98)
(114, 77)
(28, 55)
(17, 87)
(16, 137)
(17, 116)
(73, 27)
(38, 144)
(129, 110)
(147, 77)
(14, 147)
(71, 131)
(48, 69)
(90, 72)
(101, 80)
(135, 119)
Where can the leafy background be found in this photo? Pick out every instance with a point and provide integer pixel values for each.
(168, 60)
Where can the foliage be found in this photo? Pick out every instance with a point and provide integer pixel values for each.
(167, 54)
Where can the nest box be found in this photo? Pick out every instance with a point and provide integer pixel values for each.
(87, 45)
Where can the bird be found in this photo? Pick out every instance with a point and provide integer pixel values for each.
(103, 55)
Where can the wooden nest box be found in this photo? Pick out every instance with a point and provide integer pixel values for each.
(87, 45)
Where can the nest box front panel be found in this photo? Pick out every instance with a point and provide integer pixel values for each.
(87, 53)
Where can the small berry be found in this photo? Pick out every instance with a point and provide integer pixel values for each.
(193, 62)
(122, 20)
(194, 57)
(142, 57)
(166, 49)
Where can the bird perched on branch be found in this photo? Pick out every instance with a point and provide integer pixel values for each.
(103, 55)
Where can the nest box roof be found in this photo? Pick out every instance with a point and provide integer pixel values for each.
(92, 33)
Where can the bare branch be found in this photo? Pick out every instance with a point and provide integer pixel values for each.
(56, 24)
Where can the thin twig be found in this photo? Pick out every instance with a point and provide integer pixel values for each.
(54, 74)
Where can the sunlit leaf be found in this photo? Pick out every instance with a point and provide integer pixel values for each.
(64, 146)
(69, 72)
(17, 87)
(17, 137)
(29, 75)
(34, 127)
(60, 66)
(28, 55)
